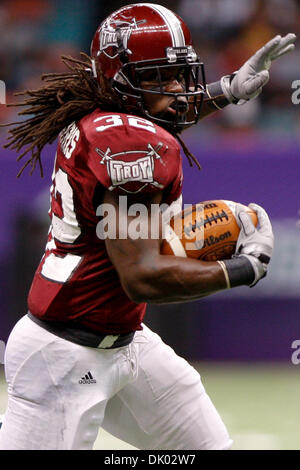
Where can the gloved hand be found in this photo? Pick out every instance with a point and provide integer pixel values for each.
(247, 82)
(255, 243)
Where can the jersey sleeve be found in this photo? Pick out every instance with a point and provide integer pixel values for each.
(129, 154)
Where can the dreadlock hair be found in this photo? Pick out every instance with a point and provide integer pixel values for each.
(67, 97)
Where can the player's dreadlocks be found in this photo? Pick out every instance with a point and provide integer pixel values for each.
(67, 97)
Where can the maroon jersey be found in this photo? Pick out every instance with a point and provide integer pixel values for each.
(75, 279)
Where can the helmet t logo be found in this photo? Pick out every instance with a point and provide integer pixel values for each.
(117, 36)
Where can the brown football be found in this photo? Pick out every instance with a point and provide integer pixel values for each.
(207, 231)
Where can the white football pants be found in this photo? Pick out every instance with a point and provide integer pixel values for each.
(60, 393)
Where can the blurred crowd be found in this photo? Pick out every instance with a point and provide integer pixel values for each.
(35, 33)
(228, 32)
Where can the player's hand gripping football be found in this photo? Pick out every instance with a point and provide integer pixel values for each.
(247, 82)
(256, 244)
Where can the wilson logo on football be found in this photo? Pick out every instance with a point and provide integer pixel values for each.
(212, 240)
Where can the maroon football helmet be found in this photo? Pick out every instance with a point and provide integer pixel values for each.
(146, 41)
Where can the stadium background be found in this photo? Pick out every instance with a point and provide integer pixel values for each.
(240, 340)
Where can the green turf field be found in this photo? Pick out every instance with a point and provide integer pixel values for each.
(260, 404)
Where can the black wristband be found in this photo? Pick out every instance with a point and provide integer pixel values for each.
(214, 91)
(240, 271)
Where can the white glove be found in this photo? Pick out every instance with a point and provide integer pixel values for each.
(247, 82)
(256, 244)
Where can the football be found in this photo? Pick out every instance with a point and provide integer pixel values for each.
(207, 231)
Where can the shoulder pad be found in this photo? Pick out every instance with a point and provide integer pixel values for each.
(130, 153)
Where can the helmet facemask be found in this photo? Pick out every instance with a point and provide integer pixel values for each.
(181, 64)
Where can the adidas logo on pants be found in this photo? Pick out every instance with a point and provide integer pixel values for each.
(87, 379)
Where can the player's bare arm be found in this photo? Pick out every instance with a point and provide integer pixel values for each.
(148, 276)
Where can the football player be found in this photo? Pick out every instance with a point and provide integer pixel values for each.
(82, 358)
